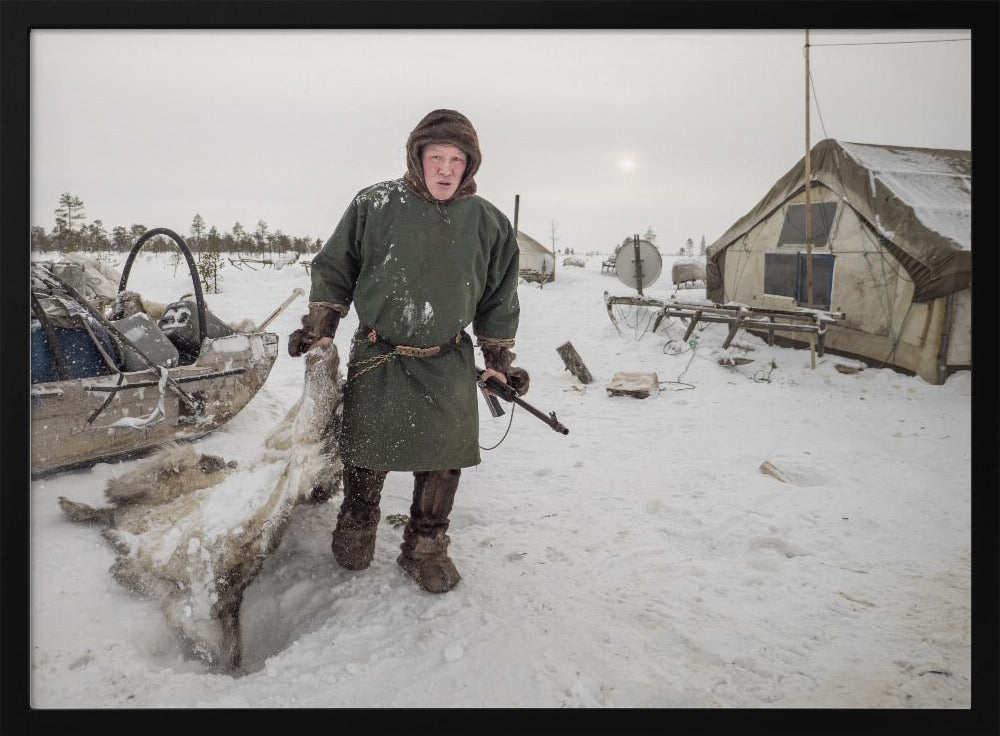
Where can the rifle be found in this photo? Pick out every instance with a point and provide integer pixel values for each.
(509, 394)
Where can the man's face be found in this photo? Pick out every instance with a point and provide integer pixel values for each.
(443, 168)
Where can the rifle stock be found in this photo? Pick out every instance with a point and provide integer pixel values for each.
(507, 393)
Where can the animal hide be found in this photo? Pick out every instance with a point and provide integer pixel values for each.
(193, 531)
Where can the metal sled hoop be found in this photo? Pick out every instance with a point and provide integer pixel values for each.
(179, 241)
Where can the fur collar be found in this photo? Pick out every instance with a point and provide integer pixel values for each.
(444, 127)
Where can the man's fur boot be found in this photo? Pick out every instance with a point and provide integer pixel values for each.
(357, 523)
(425, 544)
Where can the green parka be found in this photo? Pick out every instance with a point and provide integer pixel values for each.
(418, 271)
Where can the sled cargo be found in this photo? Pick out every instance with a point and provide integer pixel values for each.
(107, 386)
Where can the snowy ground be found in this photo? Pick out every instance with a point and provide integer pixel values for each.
(641, 561)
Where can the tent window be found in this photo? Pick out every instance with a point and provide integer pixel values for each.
(780, 273)
(785, 275)
(793, 231)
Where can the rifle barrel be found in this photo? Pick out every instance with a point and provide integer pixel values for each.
(507, 393)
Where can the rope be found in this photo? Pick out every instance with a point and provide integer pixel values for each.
(407, 350)
(812, 86)
(899, 336)
(693, 349)
(742, 265)
(771, 365)
(622, 315)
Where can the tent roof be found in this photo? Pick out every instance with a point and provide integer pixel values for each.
(918, 199)
(530, 245)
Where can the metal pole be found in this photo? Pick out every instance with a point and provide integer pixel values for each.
(517, 206)
(297, 291)
(809, 262)
(638, 264)
(554, 257)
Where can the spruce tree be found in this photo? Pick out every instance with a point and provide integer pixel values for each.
(198, 232)
(70, 210)
(210, 262)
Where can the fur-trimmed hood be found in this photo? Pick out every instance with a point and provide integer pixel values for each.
(446, 127)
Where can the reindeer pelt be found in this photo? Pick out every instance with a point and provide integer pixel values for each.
(128, 303)
(173, 471)
(164, 476)
(193, 531)
(244, 325)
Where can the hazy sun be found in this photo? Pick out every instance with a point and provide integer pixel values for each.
(626, 165)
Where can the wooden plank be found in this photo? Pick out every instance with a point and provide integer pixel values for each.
(733, 329)
(636, 385)
(694, 320)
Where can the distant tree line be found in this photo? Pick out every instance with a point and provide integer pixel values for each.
(71, 233)
(688, 249)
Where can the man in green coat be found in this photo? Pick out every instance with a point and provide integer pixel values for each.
(420, 258)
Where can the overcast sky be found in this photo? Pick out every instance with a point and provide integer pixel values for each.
(604, 133)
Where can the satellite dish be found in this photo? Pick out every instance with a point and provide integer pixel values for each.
(638, 264)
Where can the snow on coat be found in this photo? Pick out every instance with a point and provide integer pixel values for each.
(419, 273)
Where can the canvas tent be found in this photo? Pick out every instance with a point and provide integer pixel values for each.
(537, 263)
(892, 250)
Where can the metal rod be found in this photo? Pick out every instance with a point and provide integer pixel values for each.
(638, 264)
(182, 379)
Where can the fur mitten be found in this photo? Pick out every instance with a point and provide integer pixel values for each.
(321, 321)
(499, 358)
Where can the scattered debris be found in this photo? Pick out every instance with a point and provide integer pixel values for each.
(760, 376)
(943, 673)
(768, 468)
(398, 521)
(740, 345)
(636, 385)
(574, 363)
(852, 599)
(849, 367)
(728, 361)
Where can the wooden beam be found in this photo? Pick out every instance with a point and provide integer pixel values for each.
(690, 329)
